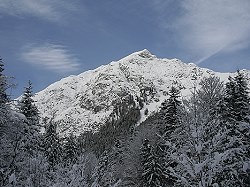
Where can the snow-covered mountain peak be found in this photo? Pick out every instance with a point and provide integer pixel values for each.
(143, 54)
(86, 101)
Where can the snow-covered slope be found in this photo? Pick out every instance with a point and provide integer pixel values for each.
(84, 102)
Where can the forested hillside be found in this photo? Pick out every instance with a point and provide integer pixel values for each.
(201, 141)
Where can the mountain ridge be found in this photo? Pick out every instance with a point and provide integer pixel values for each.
(86, 101)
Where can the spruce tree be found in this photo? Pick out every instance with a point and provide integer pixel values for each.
(3, 98)
(27, 106)
(242, 99)
(51, 145)
(169, 108)
(70, 149)
(237, 103)
(153, 174)
(3, 86)
(31, 136)
(237, 98)
(170, 112)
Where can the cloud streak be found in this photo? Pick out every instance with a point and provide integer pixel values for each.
(52, 57)
(45, 9)
(205, 28)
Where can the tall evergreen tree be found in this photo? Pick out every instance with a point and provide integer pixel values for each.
(242, 99)
(27, 106)
(153, 174)
(70, 149)
(3, 85)
(237, 98)
(3, 99)
(170, 112)
(169, 108)
(237, 104)
(31, 137)
(51, 144)
(9, 133)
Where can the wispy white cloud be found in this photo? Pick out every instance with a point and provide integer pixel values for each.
(51, 10)
(52, 57)
(206, 27)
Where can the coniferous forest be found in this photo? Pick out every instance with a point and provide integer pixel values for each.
(199, 141)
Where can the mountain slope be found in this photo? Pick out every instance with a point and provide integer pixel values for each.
(86, 101)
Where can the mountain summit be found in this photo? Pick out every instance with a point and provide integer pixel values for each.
(87, 101)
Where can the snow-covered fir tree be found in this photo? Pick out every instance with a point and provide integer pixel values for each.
(153, 174)
(51, 144)
(169, 108)
(70, 150)
(243, 99)
(237, 98)
(170, 112)
(9, 133)
(4, 109)
(3, 85)
(31, 138)
(3, 97)
(237, 122)
(27, 105)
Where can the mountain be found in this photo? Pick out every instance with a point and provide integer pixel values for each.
(87, 101)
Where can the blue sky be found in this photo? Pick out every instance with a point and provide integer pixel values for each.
(44, 41)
